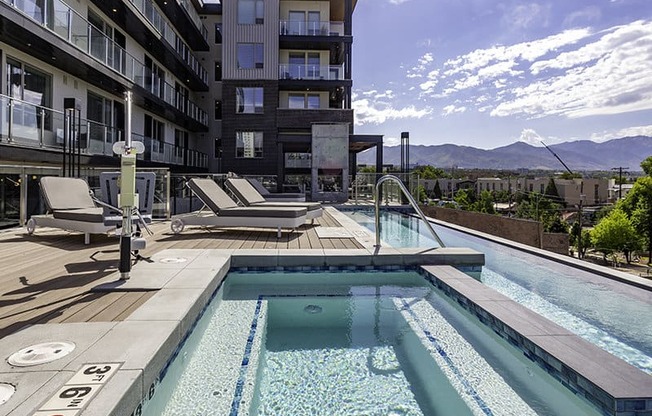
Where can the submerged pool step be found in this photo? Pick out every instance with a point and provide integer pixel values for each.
(608, 382)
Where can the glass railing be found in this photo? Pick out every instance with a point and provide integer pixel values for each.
(30, 125)
(304, 28)
(194, 16)
(151, 13)
(362, 187)
(312, 72)
(76, 30)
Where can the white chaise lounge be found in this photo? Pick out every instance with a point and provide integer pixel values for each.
(224, 212)
(249, 196)
(71, 207)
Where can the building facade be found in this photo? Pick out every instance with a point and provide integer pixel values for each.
(243, 86)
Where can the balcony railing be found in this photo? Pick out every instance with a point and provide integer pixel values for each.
(34, 126)
(304, 28)
(194, 16)
(76, 30)
(147, 9)
(312, 72)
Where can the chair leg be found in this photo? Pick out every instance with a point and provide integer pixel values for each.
(87, 238)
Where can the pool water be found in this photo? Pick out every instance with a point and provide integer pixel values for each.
(347, 343)
(614, 316)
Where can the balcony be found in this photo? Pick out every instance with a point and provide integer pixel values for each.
(187, 22)
(311, 72)
(31, 126)
(302, 119)
(163, 31)
(301, 28)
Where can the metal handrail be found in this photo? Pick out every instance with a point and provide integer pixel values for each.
(410, 199)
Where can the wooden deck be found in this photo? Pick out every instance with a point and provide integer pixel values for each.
(48, 277)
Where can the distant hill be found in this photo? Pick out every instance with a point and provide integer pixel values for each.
(579, 155)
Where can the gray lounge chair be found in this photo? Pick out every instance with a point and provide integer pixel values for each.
(276, 197)
(224, 212)
(71, 207)
(250, 197)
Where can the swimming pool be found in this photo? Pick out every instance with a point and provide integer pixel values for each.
(614, 316)
(340, 343)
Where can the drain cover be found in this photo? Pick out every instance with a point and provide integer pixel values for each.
(41, 353)
(174, 260)
(6, 391)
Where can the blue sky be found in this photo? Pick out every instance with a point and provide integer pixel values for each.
(487, 73)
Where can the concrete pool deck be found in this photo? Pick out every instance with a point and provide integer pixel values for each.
(178, 283)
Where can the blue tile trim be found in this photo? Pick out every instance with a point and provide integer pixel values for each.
(440, 350)
(237, 395)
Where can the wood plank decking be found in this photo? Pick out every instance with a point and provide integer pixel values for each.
(48, 277)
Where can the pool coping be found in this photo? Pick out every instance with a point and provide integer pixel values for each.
(144, 342)
(608, 382)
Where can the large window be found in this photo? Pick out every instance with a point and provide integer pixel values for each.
(250, 55)
(249, 100)
(249, 144)
(251, 12)
(32, 86)
(301, 100)
(154, 132)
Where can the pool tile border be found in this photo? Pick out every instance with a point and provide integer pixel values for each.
(469, 294)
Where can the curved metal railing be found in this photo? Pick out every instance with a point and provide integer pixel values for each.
(410, 199)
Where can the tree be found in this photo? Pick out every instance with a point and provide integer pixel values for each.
(551, 190)
(615, 233)
(647, 166)
(485, 203)
(463, 199)
(639, 200)
(428, 172)
(436, 191)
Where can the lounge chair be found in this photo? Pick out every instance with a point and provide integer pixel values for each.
(224, 212)
(250, 197)
(276, 197)
(71, 207)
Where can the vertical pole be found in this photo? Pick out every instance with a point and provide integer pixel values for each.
(579, 221)
(127, 195)
(66, 137)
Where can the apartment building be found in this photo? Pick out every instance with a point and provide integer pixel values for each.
(255, 87)
(85, 55)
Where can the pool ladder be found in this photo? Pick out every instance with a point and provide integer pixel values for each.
(414, 204)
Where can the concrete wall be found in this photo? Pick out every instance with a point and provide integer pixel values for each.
(515, 229)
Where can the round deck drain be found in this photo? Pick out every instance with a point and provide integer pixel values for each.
(41, 353)
(6, 391)
(170, 260)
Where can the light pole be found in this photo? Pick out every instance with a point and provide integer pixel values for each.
(620, 180)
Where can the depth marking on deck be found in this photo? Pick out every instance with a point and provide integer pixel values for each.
(70, 399)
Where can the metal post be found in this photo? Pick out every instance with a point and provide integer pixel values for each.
(11, 120)
(127, 195)
(41, 127)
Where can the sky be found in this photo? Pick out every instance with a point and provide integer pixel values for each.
(488, 73)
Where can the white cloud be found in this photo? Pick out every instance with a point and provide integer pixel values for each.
(368, 112)
(626, 132)
(452, 109)
(528, 15)
(421, 66)
(398, 1)
(498, 62)
(531, 137)
(611, 75)
(391, 141)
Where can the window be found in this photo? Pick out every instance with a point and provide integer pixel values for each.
(249, 100)
(251, 12)
(218, 33)
(218, 148)
(32, 86)
(301, 100)
(250, 55)
(249, 144)
(218, 110)
(154, 130)
(218, 71)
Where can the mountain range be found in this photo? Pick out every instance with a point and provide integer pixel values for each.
(581, 155)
